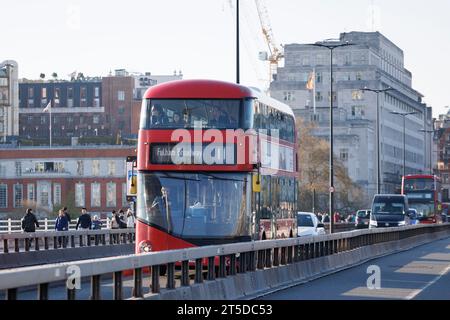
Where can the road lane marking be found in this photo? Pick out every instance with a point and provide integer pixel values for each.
(416, 292)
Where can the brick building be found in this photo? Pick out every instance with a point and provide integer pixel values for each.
(91, 177)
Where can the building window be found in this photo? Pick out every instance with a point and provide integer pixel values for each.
(318, 77)
(357, 95)
(3, 196)
(121, 110)
(18, 166)
(80, 167)
(96, 119)
(30, 93)
(334, 96)
(111, 195)
(18, 196)
(44, 196)
(95, 195)
(70, 97)
(289, 96)
(111, 167)
(344, 154)
(96, 92)
(44, 93)
(79, 195)
(358, 76)
(57, 194)
(30, 190)
(43, 119)
(121, 95)
(319, 96)
(83, 103)
(56, 100)
(95, 168)
(358, 112)
(124, 195)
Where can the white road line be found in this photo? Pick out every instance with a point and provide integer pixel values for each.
(416, 292)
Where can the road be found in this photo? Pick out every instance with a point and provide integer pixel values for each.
(422, 273)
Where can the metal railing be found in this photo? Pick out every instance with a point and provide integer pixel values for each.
(36, 241)
(10, 225)
(221, 261)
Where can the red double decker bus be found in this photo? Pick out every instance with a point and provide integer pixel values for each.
(424, 194)
(217, 163)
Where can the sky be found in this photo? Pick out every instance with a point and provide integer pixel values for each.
(198, 36)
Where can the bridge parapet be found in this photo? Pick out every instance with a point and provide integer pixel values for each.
(231, 271)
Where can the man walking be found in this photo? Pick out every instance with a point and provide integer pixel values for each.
(84, 221)
(29, 221)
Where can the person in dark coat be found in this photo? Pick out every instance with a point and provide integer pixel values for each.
(66, 212)
(84, 221)
(62, 224)
(29, 221)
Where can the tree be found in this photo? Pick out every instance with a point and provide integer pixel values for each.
(314, 175)
(42, 76)
(54, 76)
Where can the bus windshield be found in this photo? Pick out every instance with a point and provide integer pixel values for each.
(418, 184)
(194, 205)
(196, 113)
(424, 210)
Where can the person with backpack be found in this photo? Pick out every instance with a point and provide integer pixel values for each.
(29, 221)
(84, 221)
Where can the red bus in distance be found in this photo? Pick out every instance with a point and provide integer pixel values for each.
(424, 194)
(217, 163)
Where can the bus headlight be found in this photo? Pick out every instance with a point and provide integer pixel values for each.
(401, 223)
(145, 246)
(373, 223)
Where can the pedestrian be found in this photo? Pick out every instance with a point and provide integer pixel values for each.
(114, 220)
(319, 217)
(130, 219)
(84, 221)
(96, 224)
(121, 222)
(62, 224)
(66, 212)
(337, 217)
(326, 218)
(29, 221)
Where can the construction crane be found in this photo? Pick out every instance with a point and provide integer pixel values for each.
(275, 52)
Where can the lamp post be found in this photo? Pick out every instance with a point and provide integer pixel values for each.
(404, 135)
(377, 91)
(331, 45)
(431, 144)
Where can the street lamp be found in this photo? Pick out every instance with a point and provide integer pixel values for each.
(331, 45)
(431, 144)
(404, 134)
(377, 91)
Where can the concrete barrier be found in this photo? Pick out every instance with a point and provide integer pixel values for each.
(258, 283)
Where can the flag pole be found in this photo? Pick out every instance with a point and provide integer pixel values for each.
(50, 109)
